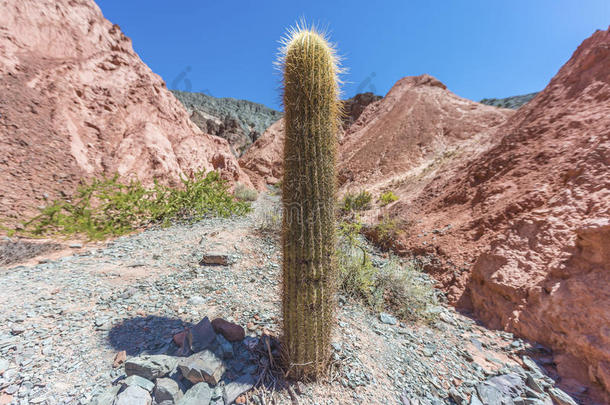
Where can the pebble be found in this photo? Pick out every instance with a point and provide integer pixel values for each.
(196, 300)
(387, 318)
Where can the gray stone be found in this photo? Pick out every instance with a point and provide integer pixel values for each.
(133, 395)
(196, 300)
(199, 394)
(201, 336)
(202, 366)
(235, 388)
(225, 349)
(501, 389)
(214, 259)
(561, 397)
(139, 381)
(387, 319)
(536, 401)
(3, 365)
(474, 400)
(533, 367)
(533, 384)
(167, 389)
(150, 366)
(457, 396)
(106, 397)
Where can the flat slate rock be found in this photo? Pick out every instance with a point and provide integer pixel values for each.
(202, 366)
(150, 366)
(199, 394)
(167, 389)
(133, 395)
(235, 388)
(214, 259)
(201, 336)
(561, 397)
(501, 389)
(107, 397)
(139, 381)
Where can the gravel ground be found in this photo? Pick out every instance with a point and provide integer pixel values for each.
(64, 320)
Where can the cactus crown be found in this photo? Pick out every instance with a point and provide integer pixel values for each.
(307, 47)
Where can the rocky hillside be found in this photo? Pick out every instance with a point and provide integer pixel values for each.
(417, 121)
(77, 101)
(519, 232)
(513, 102)
(240, 122)
(263, 161)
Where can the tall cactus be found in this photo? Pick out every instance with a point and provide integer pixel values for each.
(311, 114)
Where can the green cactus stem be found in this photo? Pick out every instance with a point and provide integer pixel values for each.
(312, 117)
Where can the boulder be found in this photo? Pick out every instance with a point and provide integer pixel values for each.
(202, 366)
(167, 389)
(231, 331)
(199, 394)
(201, 336)
(150, 366)
(133, 395)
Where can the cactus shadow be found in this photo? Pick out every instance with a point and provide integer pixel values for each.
(148, 334)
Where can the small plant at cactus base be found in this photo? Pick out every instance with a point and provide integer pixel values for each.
(383, 284)
(244, 193)
(385, 232)
(269, 221)
(312, 120)
(387, 198)
(106, 207)
(356, 201)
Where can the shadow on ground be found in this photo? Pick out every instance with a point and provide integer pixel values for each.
(15, 251)
(151, 334)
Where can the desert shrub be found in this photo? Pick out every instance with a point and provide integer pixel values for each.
(392, 285)
(244, 193)
(357, 274)
(387, 198)
(406, 290)
(356, 201)
(386, 231)
(269, 220)
(105, 207)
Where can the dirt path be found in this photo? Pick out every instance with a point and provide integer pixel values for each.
(63, 321)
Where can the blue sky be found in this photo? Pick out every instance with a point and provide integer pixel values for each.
(487, 48)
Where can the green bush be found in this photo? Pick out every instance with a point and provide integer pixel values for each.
(243, 193)
(356, 202)
(106, 207)
(269, 221)
(387, 198)
(386, 231)
(400, 288)
(405, 290)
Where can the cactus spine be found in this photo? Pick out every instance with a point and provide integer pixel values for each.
(311, 114)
